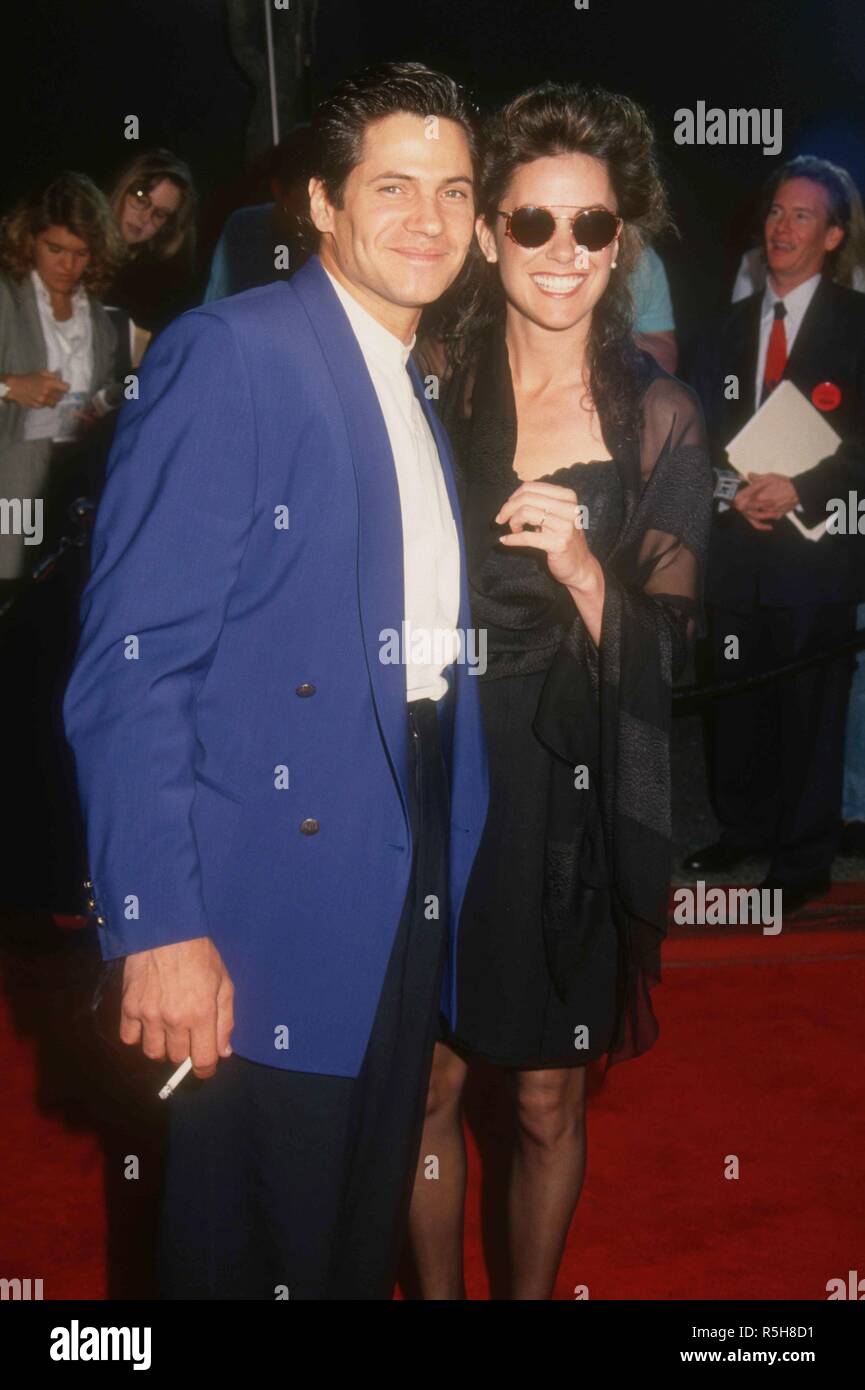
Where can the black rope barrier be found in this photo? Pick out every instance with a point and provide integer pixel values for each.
(696, 694)
(81, 512)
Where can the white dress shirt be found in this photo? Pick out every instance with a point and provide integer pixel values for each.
(69, 351)
(431, 557)
(751, 276)
(796, 302)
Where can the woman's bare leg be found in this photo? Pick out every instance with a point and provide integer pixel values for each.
(438, 1200)
(547, 1175)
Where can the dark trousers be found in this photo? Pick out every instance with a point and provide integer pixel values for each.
(282, 1183)
(777, 752)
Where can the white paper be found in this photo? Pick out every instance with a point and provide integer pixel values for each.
(787, 435)
(58, 421)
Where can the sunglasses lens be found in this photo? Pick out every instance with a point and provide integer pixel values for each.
(532, 226)
(595, 230)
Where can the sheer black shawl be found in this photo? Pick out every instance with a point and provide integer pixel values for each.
(608, 708)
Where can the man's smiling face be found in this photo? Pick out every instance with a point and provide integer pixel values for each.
(407, 215)
(798, 232)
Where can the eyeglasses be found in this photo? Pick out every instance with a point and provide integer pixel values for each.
(532, 227)
(143, 201)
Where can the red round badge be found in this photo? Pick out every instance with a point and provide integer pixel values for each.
(826, 396)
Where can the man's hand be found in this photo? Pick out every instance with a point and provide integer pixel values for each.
(766, 498)
(36, 389)
(178, 1002)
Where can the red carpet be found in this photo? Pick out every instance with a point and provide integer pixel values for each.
(760, 1056)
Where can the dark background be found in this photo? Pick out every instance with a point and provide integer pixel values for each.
(72, 71)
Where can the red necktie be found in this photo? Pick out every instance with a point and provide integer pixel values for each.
(776, 356)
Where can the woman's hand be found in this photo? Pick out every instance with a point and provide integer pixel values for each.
(557, 514)
(560, 519)
(36, 389)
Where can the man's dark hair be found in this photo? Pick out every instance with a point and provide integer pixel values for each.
(339, 124)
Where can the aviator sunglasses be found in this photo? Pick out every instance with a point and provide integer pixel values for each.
(532, 227)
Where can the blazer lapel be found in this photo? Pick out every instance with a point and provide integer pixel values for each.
(447, 466)
(381, 585)
(30, 327)
(746, 350)
(814, 334)
(104, 347)
(460, 717)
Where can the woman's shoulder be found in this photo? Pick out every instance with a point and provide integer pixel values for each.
(666, 400)
(671, 417)
(661, 389)
(10, 288)
(98, 311)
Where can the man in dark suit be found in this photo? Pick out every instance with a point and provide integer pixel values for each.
(281, 816)
(777, 750)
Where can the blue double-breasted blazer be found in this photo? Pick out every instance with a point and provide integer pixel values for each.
(248, 546)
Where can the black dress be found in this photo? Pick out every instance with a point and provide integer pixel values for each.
(560, 929)
(509, 1010)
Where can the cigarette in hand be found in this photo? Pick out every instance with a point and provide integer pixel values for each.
(174, 1081)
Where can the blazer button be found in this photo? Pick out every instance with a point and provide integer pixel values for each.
(309, 826)
(88, 884)
(305, 689)
(91, 903)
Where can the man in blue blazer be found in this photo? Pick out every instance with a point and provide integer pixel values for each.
(281, 817)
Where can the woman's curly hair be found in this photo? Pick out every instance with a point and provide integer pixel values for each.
(72, 201)
(553, 119)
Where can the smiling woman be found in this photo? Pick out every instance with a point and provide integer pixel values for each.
(556, 415)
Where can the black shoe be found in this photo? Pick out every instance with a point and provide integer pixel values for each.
(852, 843)
(795, 896)
(718, 856)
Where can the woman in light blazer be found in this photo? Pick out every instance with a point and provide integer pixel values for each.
(58, 248)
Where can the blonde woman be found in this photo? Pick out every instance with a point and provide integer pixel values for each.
(155, 204)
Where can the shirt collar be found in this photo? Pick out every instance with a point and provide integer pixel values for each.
(79, 297)
(796, 301)
(376, 341)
